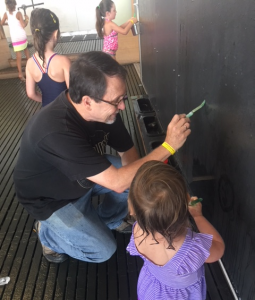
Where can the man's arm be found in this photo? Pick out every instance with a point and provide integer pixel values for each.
(129, 156)
(119, 180)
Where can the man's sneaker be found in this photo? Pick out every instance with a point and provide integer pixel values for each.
(124, 228)
(49, 254)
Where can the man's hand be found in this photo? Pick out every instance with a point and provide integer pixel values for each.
(178, 131)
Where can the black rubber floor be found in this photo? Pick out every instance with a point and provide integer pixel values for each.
(32, 277)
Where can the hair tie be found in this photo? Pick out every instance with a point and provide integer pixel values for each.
(98, 6)
(36, 29)
(53, 18)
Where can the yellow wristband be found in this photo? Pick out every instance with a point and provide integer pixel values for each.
(131, 21)
(168, 147)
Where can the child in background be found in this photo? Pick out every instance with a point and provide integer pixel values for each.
(47, 69)
(105, 13)
(173, 254)
(17, 32)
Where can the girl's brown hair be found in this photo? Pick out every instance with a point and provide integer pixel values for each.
(101, 9)
(43, 23)
(10, 4)
(158, 195)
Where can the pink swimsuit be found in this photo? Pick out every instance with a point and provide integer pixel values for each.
(111, 43)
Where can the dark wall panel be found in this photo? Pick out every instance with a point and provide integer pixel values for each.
(147, 25)
(194, 50)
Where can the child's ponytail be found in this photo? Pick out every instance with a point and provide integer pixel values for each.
(99, 21)
(43, 23)
(101, 9)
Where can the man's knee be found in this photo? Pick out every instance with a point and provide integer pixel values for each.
(102, 253)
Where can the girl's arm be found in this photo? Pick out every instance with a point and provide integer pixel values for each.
(31, 85)
(3, 21)
(204, 226)
(66, 68)
(20, 18)
(125, 24)
(121, 30)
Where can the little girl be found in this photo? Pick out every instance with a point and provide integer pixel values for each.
(173, 254)
(17, 32)
(47, 69)
(105, 13)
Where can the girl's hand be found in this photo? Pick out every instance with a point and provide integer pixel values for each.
(195, 210)
(26, 18)
(134, 19)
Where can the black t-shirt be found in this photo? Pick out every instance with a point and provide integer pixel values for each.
(58, 151)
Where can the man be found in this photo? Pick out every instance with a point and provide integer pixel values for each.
(62, 164)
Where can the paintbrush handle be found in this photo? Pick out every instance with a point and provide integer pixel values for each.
(190, 114)
(192, 203)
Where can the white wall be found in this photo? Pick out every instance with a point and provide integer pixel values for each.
(74, 15)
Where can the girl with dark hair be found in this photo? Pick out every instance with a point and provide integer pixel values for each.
(47, 69)
(105, 13)
(17, 32)
(173, 254)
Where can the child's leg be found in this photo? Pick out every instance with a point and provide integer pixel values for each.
(18, 58)
(27, 53)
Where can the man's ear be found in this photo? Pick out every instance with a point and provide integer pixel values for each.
(87, 102)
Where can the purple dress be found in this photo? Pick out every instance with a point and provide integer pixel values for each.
(182, 277)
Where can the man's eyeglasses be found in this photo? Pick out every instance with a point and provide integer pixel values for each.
(114, 103)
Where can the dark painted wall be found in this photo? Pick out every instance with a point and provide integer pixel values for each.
(204, 49)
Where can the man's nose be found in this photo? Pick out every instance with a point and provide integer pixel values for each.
(121, 105)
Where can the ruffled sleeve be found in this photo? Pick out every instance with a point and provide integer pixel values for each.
(196, 251)
(131, 247)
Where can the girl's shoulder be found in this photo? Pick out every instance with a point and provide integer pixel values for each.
(62, 60)
(17, 14)
(194, 251)
(107, 28)
(29, 62)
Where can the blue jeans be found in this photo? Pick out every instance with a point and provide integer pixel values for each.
(83, 232)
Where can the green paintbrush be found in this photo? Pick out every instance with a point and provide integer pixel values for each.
(190, 114)
(192, 203)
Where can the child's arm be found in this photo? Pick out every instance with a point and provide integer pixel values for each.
(66, 63)
(124, 30)
(3, 21)
(20, 18)
(125, 24)
(31, 85)
(204, 226)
